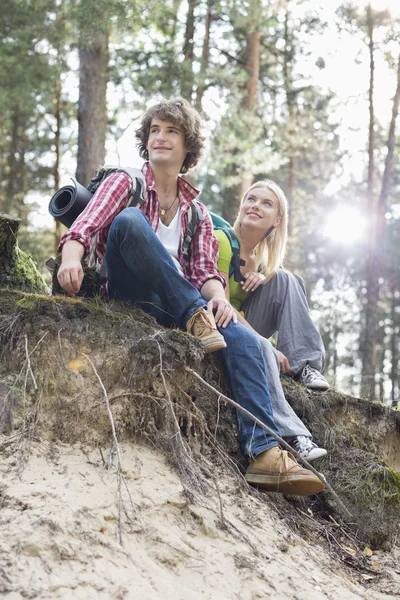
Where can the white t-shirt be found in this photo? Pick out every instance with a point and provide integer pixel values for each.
(170, 237)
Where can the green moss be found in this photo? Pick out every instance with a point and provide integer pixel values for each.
(26, 274)
(74, 307)
(392, 499)
(394, 477)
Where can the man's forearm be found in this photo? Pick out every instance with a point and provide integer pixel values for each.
(212, 288)
(72, 251)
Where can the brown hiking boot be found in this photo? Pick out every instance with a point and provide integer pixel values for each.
(202, 325)
(276, 470)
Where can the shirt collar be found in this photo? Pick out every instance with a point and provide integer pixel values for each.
(187, 192)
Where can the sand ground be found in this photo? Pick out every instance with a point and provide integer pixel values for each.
(59, 536)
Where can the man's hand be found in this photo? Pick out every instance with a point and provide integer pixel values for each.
(223, 311)
(213, 291)
(283, 362)
(70, 276)
(70, 273)
(253, 281)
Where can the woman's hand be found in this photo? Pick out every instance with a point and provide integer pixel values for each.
(284, 365)
(253, 281)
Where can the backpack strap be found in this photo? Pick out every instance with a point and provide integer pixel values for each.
(136, 195)
(236, 261)
(195, 216)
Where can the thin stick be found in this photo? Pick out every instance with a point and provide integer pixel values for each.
(274, 435)
(218, 415)
(28, 362)
(183, 457)
(221, 512)
(119, 470)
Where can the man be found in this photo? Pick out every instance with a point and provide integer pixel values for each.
(142, 248)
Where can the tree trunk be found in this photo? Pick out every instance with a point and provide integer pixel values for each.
(369, 343)
(14, 192)
(205, 56)
(371, 133)
(188, 53)
(17, 269)
(230, 202)
(8, 236)
(374, 271)
(393, 344)
(57, 143)
(250, 101)
(92, 110)
(290, 103)
(381, 384)
(249, 104)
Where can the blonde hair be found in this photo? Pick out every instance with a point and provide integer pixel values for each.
(269, 253)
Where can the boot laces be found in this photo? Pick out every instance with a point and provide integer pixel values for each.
(203, 321)
(288, 460)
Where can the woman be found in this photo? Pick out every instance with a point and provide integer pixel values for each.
(261, 229)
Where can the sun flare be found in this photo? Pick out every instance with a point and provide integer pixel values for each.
(345, 225)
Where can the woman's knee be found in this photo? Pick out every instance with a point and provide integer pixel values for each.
(285, 279)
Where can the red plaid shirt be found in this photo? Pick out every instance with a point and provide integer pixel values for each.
(92, 226)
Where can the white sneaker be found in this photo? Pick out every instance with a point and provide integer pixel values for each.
(307, 449)
(313, 379)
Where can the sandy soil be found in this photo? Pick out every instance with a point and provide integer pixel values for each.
(59, 536)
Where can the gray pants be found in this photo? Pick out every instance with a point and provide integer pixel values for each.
(288, 423)
(281, 305)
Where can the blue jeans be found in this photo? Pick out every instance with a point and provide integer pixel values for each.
(140, 270)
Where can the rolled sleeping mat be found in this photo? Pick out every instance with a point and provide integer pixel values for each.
(68, 203)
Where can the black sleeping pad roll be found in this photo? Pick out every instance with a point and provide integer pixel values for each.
(68, 203)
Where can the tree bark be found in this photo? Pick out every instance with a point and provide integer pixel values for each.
(369, 342)
(8, 236)
(249, 104)
(57, 143)
(188, 52)
(393, 345)
(14, 191)
(290, 102)
(250, 101)
(375, 259)
(92, 110)
(205, 56)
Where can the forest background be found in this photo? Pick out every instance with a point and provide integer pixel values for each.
(304, 92)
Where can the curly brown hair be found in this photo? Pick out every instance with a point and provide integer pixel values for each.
(184, 116)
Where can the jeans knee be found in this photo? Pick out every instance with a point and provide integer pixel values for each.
(130, 220)
(240, 337)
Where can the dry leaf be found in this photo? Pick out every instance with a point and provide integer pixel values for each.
(368, 551)
(350, 550)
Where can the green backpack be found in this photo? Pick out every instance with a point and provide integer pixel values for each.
(195, 215)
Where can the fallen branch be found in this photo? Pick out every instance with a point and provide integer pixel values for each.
(114, 432)
(28, 362)
(274, 435)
